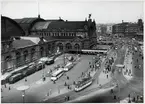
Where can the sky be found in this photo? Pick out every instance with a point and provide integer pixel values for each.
(75, 10)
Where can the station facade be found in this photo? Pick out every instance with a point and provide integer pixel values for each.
(27, 40)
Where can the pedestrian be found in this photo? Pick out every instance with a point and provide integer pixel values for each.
(50, 71)
(114, 96)
(5, 86)
(112, 91)
(65, 84)
(68, 87)
(44, 78)
(9, 88)
(107, 76)
(129, 95)
(53, 82)
(25, 79)
(65, 98)
(48, 94)
(134, 99)
(74, 82)
(100, 86)
(67, 78)
(68, 98)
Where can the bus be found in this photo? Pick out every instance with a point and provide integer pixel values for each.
(20, 69)
(68, 66)
(5, 77)
(82, 84)
(57, 74)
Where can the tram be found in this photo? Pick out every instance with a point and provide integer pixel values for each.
(83, 83)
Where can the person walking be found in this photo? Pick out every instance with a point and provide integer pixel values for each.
(112, 91)
(74, 82)
(68, 87)
(5, 86)
(9, 88)
(67, 78)
(114, 97)
(65, 84)
(25, 79)
(65, 98)
(68, 98)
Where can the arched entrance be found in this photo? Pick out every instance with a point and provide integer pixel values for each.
(77, 47)
(68, 46)
(49, 49)
(32, 54)
(18, 59)
(41, 52)
(9, 62)
(60, 47)
(26, 57)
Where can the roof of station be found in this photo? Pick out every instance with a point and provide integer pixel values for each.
(61, 26)
(12, 27)
(27, 23)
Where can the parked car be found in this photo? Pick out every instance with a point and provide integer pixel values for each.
(47, 60)
(50, 61)
(15, 78)
(31, 69)
(39, 65)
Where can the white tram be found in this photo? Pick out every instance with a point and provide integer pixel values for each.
(85, 82)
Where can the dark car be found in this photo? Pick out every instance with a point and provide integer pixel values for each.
(50, 61)
(15, 78)
(31, 69)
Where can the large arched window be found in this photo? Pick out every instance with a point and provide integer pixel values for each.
(9, 62)
(77, 47)
(18, 59)
(26, 57)
(68, 46)
(49, 48)
(32, 54)
(60, 46)
(41, 52)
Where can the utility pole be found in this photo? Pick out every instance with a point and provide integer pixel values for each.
(64, 55)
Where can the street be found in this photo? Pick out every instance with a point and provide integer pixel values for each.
(47, 91)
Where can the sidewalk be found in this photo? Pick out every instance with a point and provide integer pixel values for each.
(56, 92)
(127, 71)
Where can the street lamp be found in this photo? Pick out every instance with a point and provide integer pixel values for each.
(23, 89)
(64, 55)
(120, 66)
(43, 71)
